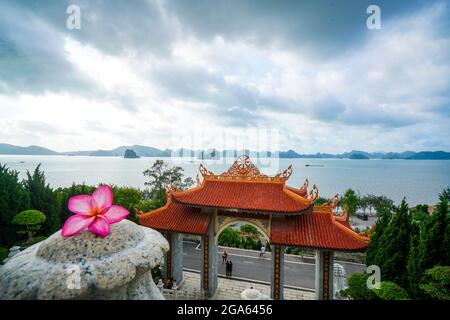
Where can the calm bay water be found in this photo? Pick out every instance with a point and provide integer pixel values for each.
(420, 181)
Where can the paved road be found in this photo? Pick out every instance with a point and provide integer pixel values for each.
(298, 272)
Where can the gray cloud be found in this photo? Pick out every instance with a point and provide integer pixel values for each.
(319, 29)
(238, 104)
(395, 78)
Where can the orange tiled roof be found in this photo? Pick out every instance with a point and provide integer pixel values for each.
(173, 217)
(301, 192)
(245, 188)
(318, 229)
(244, 195)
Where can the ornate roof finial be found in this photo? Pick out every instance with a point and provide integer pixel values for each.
(169, 188)
(314, 193)
(244, 169)
(333, 202)
(285, 174)
(204, 171)
(304, 187)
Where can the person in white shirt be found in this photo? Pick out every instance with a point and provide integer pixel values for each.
(262, 252)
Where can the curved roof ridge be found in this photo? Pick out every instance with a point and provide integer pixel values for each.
(178, 218)
(349, 229)
(340, 221)
(297, 197)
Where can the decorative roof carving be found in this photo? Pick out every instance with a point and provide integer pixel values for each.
(169, 189)
(304, 187)
(332, 203)
(314, 193)
(285, 174)
(204, 171)
(244, 169)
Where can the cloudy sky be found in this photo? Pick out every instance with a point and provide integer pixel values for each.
(188, 73)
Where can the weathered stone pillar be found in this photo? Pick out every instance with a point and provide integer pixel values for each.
(277, 283)
(173, 266)
(209, 263)
(324, 275)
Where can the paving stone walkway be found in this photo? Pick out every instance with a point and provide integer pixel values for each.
(229, 289)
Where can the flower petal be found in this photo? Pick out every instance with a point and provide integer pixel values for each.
(102, 198)
(75, 224)
(80, 204)
(116, 214)
(100, 226)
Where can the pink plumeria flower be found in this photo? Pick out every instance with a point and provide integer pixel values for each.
(94, 212)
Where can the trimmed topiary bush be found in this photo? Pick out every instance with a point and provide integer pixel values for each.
(31, 220)
(390, 291)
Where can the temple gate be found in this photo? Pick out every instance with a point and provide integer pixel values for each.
(285, 215)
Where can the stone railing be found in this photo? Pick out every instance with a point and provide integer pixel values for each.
(176, 294)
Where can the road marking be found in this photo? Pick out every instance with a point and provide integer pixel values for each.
(251, 257)
(286, 260)
(221, 275)
(249, 262)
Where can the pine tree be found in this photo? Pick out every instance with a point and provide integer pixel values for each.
(395, 243)
(14, 199)
(434, 246)
(413, 269)
(446, 245)
(384, 217)
(43, 198)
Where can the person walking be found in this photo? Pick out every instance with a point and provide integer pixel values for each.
(224, 256)
(227, 268)
(262, 252)
(231, 269)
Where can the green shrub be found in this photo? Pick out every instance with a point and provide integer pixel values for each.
(146, 205)
(436, 283)
(357, 288)
(128, 198)
(248, 228)
(3, 254)
(390, 291)
(230, 238)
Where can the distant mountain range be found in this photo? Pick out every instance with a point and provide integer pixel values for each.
(144, 151)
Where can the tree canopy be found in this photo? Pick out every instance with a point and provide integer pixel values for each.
(160, 175)
(350, 201)
(436, 282)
